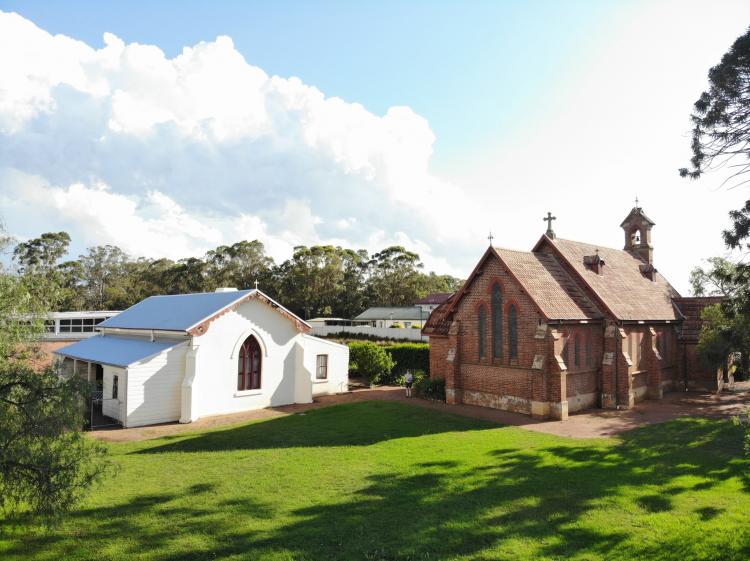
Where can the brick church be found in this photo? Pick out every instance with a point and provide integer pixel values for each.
(567, 326)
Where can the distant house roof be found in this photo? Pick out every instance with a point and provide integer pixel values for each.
(622, 288)
(115, 351)
(410, 313)
(553, 290)
(190, 312)
(436, 298)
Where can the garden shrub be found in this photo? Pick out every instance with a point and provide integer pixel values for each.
(370, 361)
(409, 356)
(429, 388)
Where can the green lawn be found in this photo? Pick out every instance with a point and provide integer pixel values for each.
(381, 480)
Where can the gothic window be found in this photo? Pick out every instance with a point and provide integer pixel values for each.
(512, 332)
(497, 321)
(249, 365)
(482, 332)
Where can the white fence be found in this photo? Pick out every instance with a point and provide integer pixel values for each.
(405, 334)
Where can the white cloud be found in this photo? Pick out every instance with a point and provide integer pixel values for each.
(199, 148)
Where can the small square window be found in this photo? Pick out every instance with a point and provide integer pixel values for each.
(321, 371)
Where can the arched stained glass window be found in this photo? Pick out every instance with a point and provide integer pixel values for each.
(249, 365)
(497, 321)
(512, 331)
(482, 331)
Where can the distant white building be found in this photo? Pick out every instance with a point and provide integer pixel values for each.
(188, 356)
(411, 316)
(74, 325)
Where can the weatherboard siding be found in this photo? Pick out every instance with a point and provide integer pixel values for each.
(154, 388)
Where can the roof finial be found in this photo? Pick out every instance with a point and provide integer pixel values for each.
(549, 218)
(636, 202)
(490, 237)
(256, 284)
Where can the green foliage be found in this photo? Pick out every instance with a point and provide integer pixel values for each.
(409, 356)
(370, 361)
(718, 279)
(429, 388)
(721, 128)
(46, 463)
(41, 254)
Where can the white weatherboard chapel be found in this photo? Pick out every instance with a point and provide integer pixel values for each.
(187, 356)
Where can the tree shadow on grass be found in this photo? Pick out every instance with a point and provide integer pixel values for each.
(555, 501)
(357, 424)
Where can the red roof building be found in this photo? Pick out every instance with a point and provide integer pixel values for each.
(567, 326)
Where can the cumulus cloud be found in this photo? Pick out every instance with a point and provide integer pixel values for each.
(171, 156)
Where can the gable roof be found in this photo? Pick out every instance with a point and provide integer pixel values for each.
(433, 298)
(409, 313)
(547, 283)
(115, 351)
(191, 313)
(622, 289)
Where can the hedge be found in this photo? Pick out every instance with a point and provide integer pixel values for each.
(409, 356)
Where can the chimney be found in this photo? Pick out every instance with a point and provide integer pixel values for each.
(594, 262)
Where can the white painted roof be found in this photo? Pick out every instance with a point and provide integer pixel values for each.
(115, 351)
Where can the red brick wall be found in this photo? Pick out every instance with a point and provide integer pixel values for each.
(438, 356)
(499, 380)
(467, 313)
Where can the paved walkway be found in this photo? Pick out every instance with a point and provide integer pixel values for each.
(594, 423)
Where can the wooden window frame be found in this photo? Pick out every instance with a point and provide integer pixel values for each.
(324, 366)
(249, 365)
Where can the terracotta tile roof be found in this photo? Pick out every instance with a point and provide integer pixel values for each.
(438, 323)
(549, 285)
(622, 287)
(691, 308)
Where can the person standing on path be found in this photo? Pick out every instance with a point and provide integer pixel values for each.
(409, 380)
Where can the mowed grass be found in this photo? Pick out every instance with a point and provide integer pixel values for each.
(379, 480)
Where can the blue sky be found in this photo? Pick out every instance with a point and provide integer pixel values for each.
(492, 59)
(424, 124)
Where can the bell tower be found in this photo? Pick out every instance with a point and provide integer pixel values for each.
(637, 227)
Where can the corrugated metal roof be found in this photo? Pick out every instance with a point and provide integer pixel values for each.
(177, 312)
(115, 351)
(411, 313)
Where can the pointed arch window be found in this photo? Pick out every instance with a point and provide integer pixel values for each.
(482, 328)
(497, 321)
(512, 332)
(249, 364)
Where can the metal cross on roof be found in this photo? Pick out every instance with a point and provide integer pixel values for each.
(256, 284)
(548, 219)
(636, 202)
(490, 237)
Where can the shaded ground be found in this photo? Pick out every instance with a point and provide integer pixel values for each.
(378, 480)
(588, 424)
